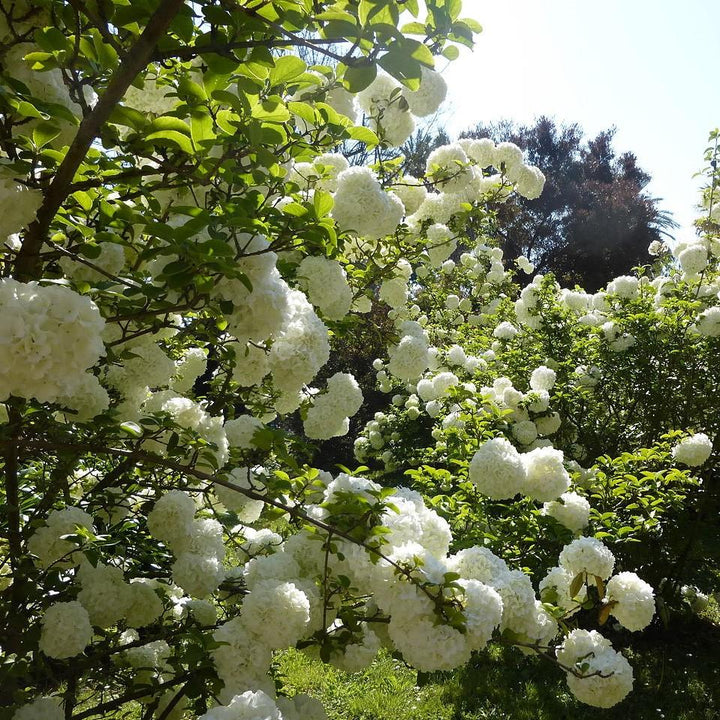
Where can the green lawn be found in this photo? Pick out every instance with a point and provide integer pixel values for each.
(677, 677)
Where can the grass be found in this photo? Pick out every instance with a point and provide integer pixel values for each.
(677, 677)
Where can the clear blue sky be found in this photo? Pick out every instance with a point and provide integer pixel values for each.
(648, 67)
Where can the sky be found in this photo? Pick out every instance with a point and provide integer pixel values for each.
(647, 67)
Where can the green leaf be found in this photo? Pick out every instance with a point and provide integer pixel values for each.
(364, 135)
(576, 584)
(322, 202)
(83, 200)
(201, 126)
(175, 137)
(286, 68)
(44, 133)
(358, 77)
(169, 122)
(302, 110)
(271, 110)
(131, 428)
(451, 52)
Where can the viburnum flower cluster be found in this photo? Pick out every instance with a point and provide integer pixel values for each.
(51, 337)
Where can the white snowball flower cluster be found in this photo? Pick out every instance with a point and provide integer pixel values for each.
(429, 96)
(693, 260)
(327, 286)
(190, 415)
(554, 588)
(362, 206)
(542, 378)
(302, 349)
(240, 430)
(573, 512)
(497, 470)
(261, 312)
(432, 388)
(587, 555)
(330, 165)
(111, 260)
(152, 97)
(500, 472)
(624, 286)
(252, 364)
(525, 265)
(197, 544)
(330, 412)
(104, 594)
(505, 331)
(383, 104)
(693, 451)
(279, 612)
(708, 322)
(414, 522)
(47, 86)
(247, 509)
(441, 244)
(246, 706)
(507, 158)
(631, 600)
(188, 369)
(607, 675)
(44, 708)
(545, 476)
(66, 630)
(411, 192)
(409, 358)
(18, 205)
(46, 542)
(49, 337)
(448, 167)
(301, 707)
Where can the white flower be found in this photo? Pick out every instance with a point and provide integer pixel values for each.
(694, 450)
(497, 470)
(66, 630)
(542, 378)
(144, 605)
(573, 512)
(693, 259)
(277, 612)
(197, 575)
(49, 337)
(105, 594)
(631, 599)
(448, 167)
(625, 286)
(708, 322)
(607, 675)
(505, 331)
(429, 96)
(44, 708)
(409, 358)
(327, 286)
(171, 517)
(587, 555)
(240, 431)
(247, 706)
(546, 478)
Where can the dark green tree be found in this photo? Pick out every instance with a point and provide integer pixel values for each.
(594, 219)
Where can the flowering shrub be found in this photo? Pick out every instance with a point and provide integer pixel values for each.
(184, 250)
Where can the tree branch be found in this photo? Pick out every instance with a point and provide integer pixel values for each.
(26, 264)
